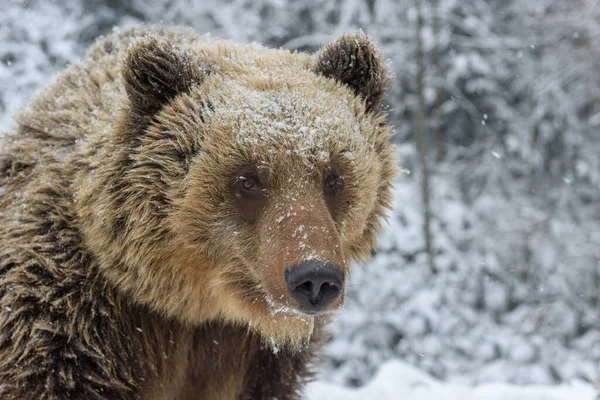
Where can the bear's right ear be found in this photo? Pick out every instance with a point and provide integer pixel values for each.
(155, 72)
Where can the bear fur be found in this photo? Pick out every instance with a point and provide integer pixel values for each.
(130, 265)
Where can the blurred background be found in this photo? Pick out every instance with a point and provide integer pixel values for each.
(489, 268)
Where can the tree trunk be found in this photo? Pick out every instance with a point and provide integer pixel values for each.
(438, 133)
(421, 140)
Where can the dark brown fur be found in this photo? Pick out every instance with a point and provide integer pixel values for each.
(127, 269)
(354, 61)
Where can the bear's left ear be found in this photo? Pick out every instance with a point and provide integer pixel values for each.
(356, 61)
(155, 72)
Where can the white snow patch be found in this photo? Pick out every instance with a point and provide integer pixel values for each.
(397, 380)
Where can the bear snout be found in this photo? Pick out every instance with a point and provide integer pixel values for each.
(315, 285)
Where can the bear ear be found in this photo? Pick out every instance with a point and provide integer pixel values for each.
(155, 72)
(356, 61)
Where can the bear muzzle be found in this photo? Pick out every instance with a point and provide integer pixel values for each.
(315, 285)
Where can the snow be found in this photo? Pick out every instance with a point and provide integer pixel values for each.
(399, 381)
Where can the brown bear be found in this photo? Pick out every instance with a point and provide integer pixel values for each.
(177, 215)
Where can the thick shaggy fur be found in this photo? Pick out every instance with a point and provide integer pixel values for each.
(129, 269)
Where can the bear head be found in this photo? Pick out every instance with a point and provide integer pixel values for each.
(242, 181)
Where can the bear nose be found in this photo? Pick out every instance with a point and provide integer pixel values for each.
(314, 285)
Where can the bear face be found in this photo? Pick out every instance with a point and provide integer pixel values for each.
(238, 175)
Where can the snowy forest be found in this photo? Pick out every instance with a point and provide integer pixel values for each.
(488, 269)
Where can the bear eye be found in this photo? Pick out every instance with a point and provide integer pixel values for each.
(333, 183)
(248, 186)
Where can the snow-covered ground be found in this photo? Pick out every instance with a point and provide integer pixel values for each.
(399, 381)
